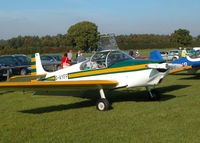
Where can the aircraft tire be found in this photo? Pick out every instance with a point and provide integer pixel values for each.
(154, 96)
(58, 67)
(23, 72)
(103, 104)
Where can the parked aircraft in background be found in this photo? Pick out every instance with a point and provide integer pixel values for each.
(192, 60)
(190, 63)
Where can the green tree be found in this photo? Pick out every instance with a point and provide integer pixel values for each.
(197, 38)
(83, 35)
(182, 37)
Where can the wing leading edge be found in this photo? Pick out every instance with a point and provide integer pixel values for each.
(59, 85)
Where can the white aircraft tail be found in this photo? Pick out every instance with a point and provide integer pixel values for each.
(36, 65)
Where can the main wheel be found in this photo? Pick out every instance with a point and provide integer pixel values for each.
(154, 95)
(23, 72)
(103, 105)
(58, 67)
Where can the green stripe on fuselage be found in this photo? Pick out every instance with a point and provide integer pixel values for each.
(126, 63)
(110, 73)
(134, 62)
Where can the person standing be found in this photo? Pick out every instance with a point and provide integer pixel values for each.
(137, 54)
(184, 53)
(78, 53)
(65, 61)
(80, 57)
(180, 51)
(131, 53)
(69, 55)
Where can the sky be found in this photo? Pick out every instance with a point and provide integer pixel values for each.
(52, 17)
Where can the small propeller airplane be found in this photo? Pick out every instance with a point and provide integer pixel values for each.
(192, 60)
(107, 69)
(191, 63)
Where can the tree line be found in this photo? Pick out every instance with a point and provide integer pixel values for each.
(85, 36)
(179, 38)
(32, 44)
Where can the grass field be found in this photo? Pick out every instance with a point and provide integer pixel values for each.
(28, 118)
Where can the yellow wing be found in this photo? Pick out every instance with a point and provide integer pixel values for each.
(58, 85)
(180, 69)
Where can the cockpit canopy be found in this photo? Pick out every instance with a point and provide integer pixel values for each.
(105, 59)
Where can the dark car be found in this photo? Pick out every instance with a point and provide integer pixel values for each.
(23, 59)
(18, 67)
(51, 62)
(57, 57)
(4, 73)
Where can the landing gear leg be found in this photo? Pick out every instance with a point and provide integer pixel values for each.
(102, 103)
(152, 94)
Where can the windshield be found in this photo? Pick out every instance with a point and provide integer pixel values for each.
(107, 42)
(117, 56)
(105, 59)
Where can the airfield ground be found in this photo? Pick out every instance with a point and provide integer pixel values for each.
(38, 118)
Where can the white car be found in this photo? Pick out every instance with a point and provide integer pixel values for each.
(196, 48)
(171, 55)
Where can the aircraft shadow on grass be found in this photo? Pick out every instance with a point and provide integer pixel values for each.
(114, 96)
(191, 77)
(5, 92)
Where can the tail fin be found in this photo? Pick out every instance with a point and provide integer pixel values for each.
(155, 55)
(36, 65)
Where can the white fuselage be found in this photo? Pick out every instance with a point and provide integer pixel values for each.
(147, 77)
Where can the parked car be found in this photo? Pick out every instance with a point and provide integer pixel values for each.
(190, 51)
(196, 48)
(4, 73)
(170, 55)
(51, 62)
(12, 61)
(23, 59)
(57, 57)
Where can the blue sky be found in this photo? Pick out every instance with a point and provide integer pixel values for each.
(51, 17)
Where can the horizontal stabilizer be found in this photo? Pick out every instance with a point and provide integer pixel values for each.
(26, 78)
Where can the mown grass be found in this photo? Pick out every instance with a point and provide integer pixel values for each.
(39, 118)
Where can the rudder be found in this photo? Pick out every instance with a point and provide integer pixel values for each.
(155, 55)
(36, 65)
